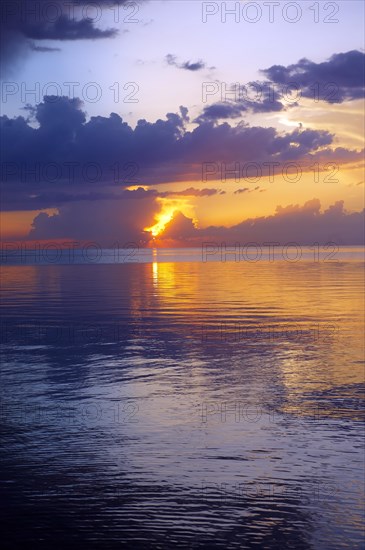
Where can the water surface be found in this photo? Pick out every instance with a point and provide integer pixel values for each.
(186, 404)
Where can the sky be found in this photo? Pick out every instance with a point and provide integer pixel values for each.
(170, 123)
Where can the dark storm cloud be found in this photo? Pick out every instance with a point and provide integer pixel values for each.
(67, 29)
(57, 150)
(105, 221)
(58, 20)
(46, 198)
(218, 111)
(336, 80)
(54, 199)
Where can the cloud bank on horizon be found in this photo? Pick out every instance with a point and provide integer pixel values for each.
(303, 225)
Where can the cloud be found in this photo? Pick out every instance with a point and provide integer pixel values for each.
(58, 150)
(220, 110)
(54, 198)
(105, 218)
(179, 228)
(248, 190)
(263, 101)
(186, 65)
(303, 225)
(35, 48)
(339, 79)
(67, 29)
(334, 81)
(107, 221)
(191, 192)
(43, 20)
(104, 222)
(140, 192)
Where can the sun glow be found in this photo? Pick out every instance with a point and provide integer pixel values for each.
(136, 187)
(163, 218)
(168, 209)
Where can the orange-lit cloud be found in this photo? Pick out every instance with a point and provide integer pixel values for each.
(303, 224)
(168, 208)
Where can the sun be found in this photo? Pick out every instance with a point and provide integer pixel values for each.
(162, 219)
(169, 207)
